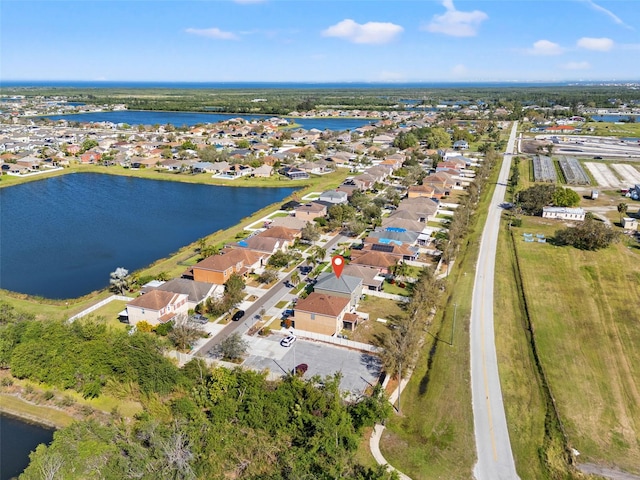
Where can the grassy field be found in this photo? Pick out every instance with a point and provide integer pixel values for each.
(605, 129)
(524, 402)
(584, 312)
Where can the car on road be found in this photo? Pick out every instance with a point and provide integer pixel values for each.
(301, 369)
(238, 315)
(288, 341)
(597, 157)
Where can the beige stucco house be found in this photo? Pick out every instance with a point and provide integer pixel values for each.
(321, 313)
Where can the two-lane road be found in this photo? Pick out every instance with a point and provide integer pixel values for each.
(495, 459)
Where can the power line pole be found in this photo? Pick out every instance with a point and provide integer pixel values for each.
(453, 327)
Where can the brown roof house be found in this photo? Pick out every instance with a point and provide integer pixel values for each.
(321, 313)
(197, 292)
(383, 262)
(156, 307)
(309, 211)
(218, 268)
(371, 280)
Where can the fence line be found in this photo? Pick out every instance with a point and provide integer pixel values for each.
(343, 342)
(98, 305)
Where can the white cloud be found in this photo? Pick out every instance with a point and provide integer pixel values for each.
(370, 32)
(608, 13)
(599, 44)
(545, 47)
(455, 22)
(576, 66)
(212, 33)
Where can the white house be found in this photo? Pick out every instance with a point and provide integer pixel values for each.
(564, 213)
(157, 307)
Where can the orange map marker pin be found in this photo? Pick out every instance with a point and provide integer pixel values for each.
(337, 263)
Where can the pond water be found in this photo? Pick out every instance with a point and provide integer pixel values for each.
(61, 237)
(19, 438)
(178, 119)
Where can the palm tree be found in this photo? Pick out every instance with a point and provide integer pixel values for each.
(319, 252)
(622, 210)
(295, 277)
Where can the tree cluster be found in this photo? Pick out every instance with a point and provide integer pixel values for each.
(224, 424)
(588, 235)
(84, 356)
(535, 198)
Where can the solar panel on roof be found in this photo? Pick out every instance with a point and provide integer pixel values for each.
(382, 248)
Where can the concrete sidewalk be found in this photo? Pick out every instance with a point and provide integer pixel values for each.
(376, 435)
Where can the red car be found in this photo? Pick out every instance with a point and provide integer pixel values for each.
(301, 369)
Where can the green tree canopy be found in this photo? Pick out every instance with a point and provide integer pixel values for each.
(565, 197)
(591, 234)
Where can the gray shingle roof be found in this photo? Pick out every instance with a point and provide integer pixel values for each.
(330, 283)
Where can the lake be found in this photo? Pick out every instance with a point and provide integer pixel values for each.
(146, 117)
(61, 237)
(18, 439)
(612, 118)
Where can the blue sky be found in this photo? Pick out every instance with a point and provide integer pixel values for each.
(320, 41)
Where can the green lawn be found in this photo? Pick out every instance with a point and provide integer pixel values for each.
(613, 129)
(583, 309)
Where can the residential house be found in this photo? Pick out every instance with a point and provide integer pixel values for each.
(156, 307)
(90, 157)
(197, 292)
(264, 245)
(365, 181)
(395, 249)
(294, 173)
(309, 211)
(286, 235)
(392, 236)
(343, 286)
(371, 280)
(333, 197)
(321, 313)
(288, 222)
(461, 145)
(382, 262)
(238, 170)
(203, 167)
(263, 171)
(218, 268)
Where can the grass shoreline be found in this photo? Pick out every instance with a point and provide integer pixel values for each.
(14, 406)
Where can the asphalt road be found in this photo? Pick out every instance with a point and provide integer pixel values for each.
(493, 447)
(275, 294)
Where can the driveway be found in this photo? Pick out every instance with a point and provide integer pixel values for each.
(359, 370)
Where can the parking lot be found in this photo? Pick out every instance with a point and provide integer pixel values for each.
(359, 369)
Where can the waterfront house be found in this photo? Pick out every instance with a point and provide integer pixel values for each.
(156, 307)
(309, 211)
(218, 268)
